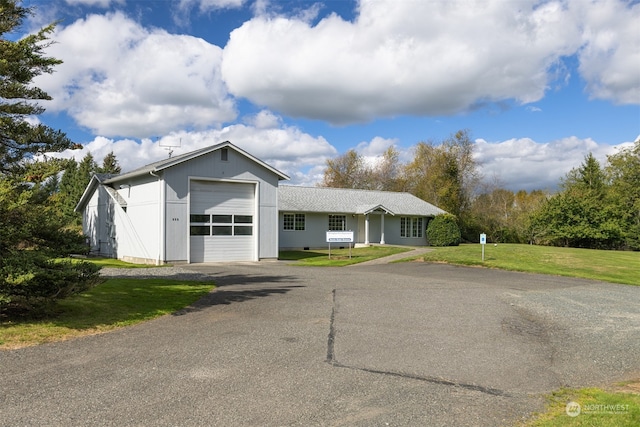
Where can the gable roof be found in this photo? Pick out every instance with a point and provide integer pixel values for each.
(346, 200)
(172, 161)
(102, 179)
(94, 182)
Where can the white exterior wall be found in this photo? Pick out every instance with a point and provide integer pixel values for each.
(316, 226)
(314, 235)
(211, 167)
(94, 223)
(138, 233)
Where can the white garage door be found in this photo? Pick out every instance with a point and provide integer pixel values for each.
(222, 223)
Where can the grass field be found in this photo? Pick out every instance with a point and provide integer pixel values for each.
(597, 408)
(339, 257)
(112, 304)
(608, 266)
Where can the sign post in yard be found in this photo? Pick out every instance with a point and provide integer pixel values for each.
(483, 241)
(339, 237)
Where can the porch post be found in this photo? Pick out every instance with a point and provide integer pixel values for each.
(382, 229)
(366, 229)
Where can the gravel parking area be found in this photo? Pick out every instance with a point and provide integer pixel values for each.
(399, 344)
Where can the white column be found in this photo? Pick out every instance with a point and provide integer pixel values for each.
(366, 229)
(382, 229)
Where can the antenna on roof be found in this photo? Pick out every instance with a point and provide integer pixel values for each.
(169, 147)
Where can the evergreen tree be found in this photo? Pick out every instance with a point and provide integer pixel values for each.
(582, 214)
(31, 229)
(20, 62)
(67, 194)
(110, 165)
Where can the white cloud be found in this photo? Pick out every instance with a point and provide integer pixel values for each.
(524, 164)
(207, 5)
(422, 58)
(376, 147)
(100, 3)
(431, 57)
(610, 58)
(297, 154)
(120, 79)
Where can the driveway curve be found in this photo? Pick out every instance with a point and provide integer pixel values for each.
(396, 344)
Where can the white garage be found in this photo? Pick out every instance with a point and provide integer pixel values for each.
(215, 204)
(222, 219)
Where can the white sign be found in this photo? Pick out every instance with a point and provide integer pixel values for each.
(483, 239)
(339, 236)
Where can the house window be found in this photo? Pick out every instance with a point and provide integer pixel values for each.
(294, 222)
(337, 222)
(224, 154)
(221, 225)
(411, 227)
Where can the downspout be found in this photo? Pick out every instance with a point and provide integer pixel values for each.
(161, 208)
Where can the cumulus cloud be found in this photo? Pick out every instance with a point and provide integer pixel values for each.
(422, 58)
(100, 3)
(429, 58)
(610, 58)
(120, 79)
(524, 164)
(287, 148)
(207, 5)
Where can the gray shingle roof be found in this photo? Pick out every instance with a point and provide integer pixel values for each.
(344, 200)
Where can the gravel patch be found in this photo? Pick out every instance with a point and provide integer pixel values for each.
(174, 273)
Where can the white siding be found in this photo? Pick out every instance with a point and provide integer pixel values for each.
(237, 167)
(143, 219)
(177, 226)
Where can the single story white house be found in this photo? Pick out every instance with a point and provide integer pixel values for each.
(384, 217)
(220, 203)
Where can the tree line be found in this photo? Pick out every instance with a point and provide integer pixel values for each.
(595, 207)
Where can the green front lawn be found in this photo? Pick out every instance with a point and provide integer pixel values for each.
(114, 263)
(608, 266)
(112, 304)
(597, 408)
(339, 257)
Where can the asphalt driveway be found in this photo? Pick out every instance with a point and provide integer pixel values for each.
(398, 345)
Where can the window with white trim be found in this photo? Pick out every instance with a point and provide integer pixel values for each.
(337, 222)
(411, 226)
(294, 222)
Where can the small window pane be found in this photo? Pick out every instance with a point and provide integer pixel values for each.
(199, 230)
(222, 230)
(288, 222)
(224, 219)
(200, 218)
(299, 224)
(244, 219)
(337, 222)
(243, 230)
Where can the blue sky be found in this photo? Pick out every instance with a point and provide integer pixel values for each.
(539, 84)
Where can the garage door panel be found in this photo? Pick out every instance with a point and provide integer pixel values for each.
(235, 200)
(221, 248)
